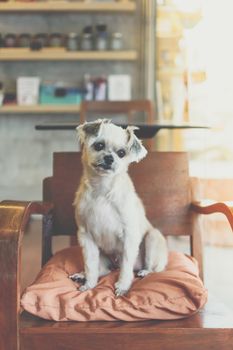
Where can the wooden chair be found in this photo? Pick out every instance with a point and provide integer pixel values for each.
(163, 182)
(113, 108)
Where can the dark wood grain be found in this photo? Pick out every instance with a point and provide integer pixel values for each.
(213, 315)
(13, 220)
(169, 340)
(211, 328)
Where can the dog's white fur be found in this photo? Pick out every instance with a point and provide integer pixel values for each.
(109, 214)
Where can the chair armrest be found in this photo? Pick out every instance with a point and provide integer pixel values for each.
(14, 216)
(210, 207)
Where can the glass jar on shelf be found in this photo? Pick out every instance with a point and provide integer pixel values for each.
(86, 42)
(72, 42)
(10, 40)
(116, 41)
(101, 38)
(87, 38)
(42, 38)
(56, 40)
(24, 40)
(101, 42)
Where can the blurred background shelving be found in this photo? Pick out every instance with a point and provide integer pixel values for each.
(175, 74)
(61, 54)
(40, 109)
(66, 6)
(52, 17)
(58, 67)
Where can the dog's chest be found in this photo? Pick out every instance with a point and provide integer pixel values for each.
(102, 219)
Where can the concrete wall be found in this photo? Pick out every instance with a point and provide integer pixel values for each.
(26, 154)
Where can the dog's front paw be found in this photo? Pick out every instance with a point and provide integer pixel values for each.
(121, 288)
(143, 273)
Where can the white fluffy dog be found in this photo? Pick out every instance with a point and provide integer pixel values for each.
(110, 216)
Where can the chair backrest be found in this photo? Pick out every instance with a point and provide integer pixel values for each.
(114, 108)
(161, 180)
(118, 107)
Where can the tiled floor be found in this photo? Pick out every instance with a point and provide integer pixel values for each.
(218, 264)
(218, 273)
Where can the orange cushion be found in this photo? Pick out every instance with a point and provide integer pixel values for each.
(174, 293)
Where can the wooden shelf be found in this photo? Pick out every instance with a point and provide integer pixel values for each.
(61, 54)
(66, 6)
(40, 109)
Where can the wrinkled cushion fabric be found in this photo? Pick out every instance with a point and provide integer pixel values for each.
(174, 293)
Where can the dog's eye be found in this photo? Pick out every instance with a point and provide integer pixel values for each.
(98, 146)
(121, 153)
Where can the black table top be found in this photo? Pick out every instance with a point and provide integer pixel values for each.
(145, 130)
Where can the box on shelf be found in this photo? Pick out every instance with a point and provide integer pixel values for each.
(119, 87)
(28, 90)
(52, 94)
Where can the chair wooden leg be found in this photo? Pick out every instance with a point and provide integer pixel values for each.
(196, 242)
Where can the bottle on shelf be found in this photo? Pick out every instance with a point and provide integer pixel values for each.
(101, 37)
(100, 89)
(86, 43)
(89, 88)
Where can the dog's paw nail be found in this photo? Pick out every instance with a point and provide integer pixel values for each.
(84, 288)
(143, 273)
(77, 277)
(120, 290)
(116, 285)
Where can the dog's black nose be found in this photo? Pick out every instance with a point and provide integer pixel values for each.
(108, 159)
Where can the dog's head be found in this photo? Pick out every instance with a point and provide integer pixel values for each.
(108, 148)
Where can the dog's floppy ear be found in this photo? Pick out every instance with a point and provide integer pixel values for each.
(89, 129)
(137, 150)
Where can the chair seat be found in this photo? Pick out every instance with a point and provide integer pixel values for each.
(176, 292)
(212, 326)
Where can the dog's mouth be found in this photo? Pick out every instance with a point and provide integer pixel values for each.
(102, 166)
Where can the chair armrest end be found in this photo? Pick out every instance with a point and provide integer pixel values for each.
(210, 207)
